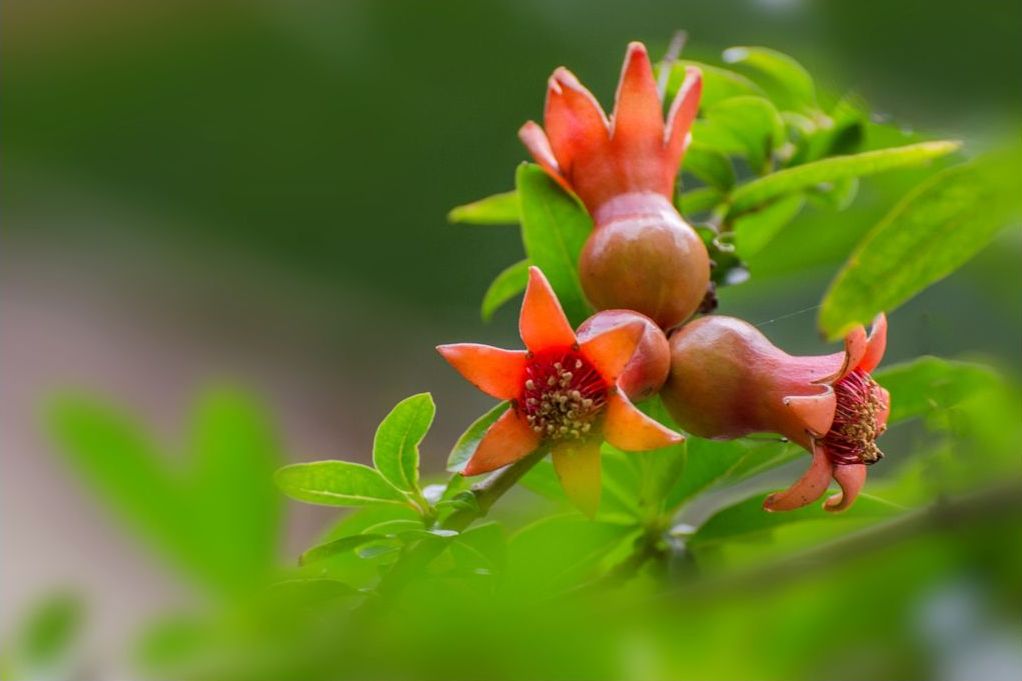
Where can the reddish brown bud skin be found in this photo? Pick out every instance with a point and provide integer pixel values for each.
(728, 380)
(647, 370)
(642, 256)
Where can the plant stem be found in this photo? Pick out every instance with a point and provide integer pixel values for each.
(487, 492)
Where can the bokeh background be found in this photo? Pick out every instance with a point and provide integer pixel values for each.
(256, 191)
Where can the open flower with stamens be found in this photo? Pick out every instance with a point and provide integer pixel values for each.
(641, 255)
(727, 381)
(563, 394)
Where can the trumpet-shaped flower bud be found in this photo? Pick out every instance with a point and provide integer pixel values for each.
(564, 391)
(641, 255)
(727, 381)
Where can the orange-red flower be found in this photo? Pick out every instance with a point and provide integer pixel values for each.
(641, 255)
(563, 395)
(727, 380)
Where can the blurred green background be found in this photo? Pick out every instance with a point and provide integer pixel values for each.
(258, 190)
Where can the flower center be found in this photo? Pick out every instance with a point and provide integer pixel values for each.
(563, 394)
(852, 437)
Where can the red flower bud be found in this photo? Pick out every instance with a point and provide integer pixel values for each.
(727, 381)
(641, 255)
(646, 371)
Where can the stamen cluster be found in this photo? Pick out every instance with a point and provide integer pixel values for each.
(852, 437)
(563, 395)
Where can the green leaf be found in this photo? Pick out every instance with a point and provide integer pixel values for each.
(234, 501)
(48, 633)
(466, 445)
(932, 232)
(746, 126)
(555, 226)
(508, 284)
(927, 384)
(797, 179)
(748, 518)
(718, 83)
(755, 230)
(709, 165)
(396, 445)
(336, 547)
(499, 209)
(709, 462)
(699, 201)
(785, 81)
(337, 483)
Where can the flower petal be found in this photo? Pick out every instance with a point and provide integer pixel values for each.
(611, 350)
(816, 412)
(577, 463)
(851, 478)
(630, 430)
(876, 344)
(575, 122)
(535, 140)
(681, 115)
(542, 323)
(807, 489)
(509, 439)
(497, 372)
(638, 121)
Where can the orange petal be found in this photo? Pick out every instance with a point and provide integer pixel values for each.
(682, 114)
(577, 463)
(816, 412)
(542, 323)
(507, 440)
(850, 478)
(875, 345)
(536, 142)
(809, 488)
(574, 121)
(496, 372)
(630, 430)
(611, 350)
(638, 118)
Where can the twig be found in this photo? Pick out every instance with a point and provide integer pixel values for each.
(674, 49)
(487, 492)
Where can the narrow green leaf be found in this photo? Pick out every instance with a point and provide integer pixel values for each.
(336, 547)
(508, 284)
(932, 232)
(337, 483)
(927, 384)
(755, 230)
(745, 126)
(790, 180)
(785, 81)
(499, 209)
(466, 445)
(554, 229)
(396, 445)
(748, 518)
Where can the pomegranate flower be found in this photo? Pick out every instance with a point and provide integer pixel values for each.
(563, 394)
(641, 255)
(727, 381)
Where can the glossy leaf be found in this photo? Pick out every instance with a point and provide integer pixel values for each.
(932, 232)
(755, 230)
(748, 518)
(785, 81)
(709, 165)
(337, 483)
(698, 201)
(927, 384)
(508, 284)
(718, 83)
(554, 229)
(499, 209)
(466, 445)
(797, 179)
(396, 445)
(746, 126)
(336, 547)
